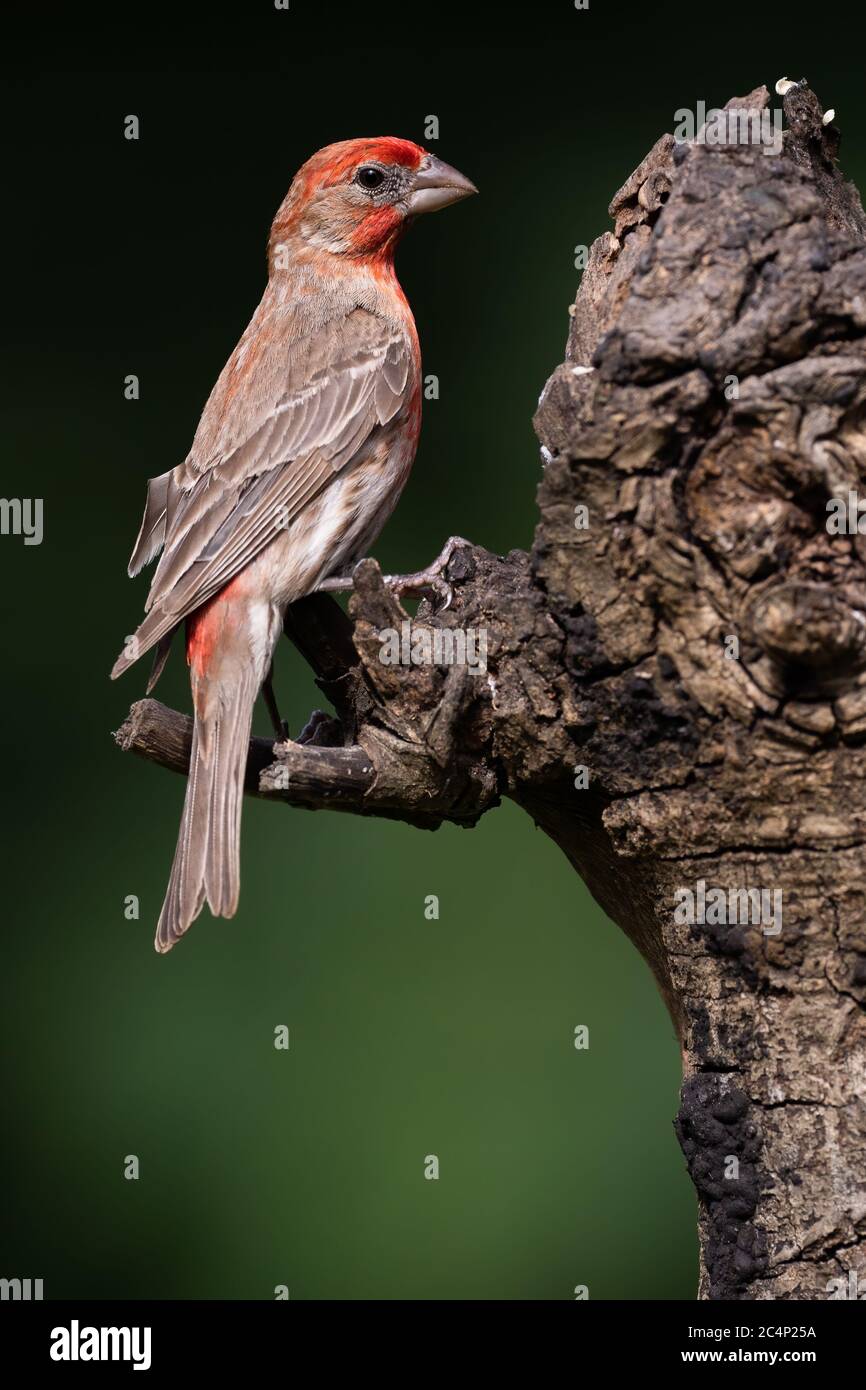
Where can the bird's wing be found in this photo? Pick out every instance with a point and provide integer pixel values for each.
(271, 439)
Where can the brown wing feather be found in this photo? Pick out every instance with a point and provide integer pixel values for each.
(264, 449)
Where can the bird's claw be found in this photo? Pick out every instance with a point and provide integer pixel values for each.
(422, 584)
(430, 581)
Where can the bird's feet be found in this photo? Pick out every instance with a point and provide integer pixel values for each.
(426, 583)
(280, 727)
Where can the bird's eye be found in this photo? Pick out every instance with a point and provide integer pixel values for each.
(368, 176)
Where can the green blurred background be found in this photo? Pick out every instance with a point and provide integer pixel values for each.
(305, 1167)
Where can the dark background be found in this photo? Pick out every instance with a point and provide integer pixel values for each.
(408, 1037)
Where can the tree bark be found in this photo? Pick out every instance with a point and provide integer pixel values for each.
(675, 678)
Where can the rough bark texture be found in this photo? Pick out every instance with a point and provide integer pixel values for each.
(699, 647)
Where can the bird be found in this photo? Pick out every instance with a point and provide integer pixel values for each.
(303, 448)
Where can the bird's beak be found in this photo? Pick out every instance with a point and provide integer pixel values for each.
(436, 185)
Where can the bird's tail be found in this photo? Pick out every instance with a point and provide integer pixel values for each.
(207, 859)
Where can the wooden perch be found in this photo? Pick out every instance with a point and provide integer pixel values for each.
(313, 776)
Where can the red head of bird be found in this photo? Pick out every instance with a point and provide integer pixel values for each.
(353, 199)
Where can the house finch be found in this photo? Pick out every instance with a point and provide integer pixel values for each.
(302, 451)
